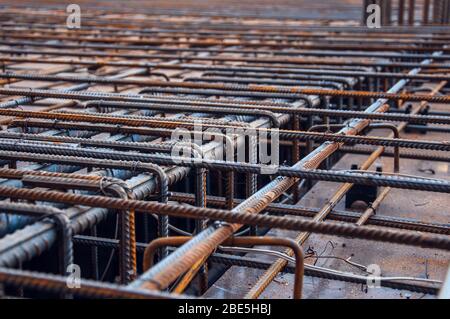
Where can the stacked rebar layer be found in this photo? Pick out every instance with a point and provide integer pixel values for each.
(151, 152)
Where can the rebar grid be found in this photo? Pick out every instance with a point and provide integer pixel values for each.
(131, 126)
